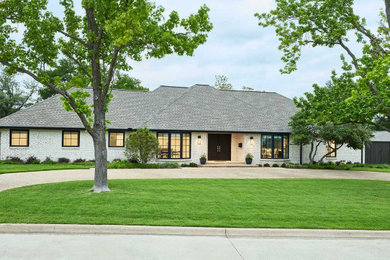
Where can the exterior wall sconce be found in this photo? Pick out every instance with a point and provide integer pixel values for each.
(251, 141)
(199, 139)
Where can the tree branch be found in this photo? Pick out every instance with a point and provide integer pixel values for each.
(64, 93)
(111, 70)
(70, 56)
(74, 38)
(350, 53)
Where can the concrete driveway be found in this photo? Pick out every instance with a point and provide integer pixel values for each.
(13, 180)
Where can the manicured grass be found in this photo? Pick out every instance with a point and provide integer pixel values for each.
(370, 169)
(276, 203)
(8, 168)
(20, 167)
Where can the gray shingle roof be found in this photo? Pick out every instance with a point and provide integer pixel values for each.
(196, 108)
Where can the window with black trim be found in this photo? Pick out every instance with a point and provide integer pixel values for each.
(174, 145)
(70, 139)
(331, 146)
(116, 139)
(274, 146)
(19, 138)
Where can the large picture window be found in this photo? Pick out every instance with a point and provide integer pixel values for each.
(116, 139)
(274, 147)
(70, 139)
(19, 138)
(174, 145)
(331, 146)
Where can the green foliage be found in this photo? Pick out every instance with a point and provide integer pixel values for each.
(189, 165)
(141, 145)
(361, 93)
(12, 95)
(221, 82)
(125, 164)
(249, 156)
(124, 81)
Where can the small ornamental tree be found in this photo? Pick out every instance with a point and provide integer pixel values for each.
(306, 131)
(101, 40)
(141, 145)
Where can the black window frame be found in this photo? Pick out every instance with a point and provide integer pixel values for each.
(28, 137)
(335, 151)
(71, 131)
(116, 132)
(181, 145)
(273, 146)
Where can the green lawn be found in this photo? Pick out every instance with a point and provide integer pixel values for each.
(8, 168)
(277, 203)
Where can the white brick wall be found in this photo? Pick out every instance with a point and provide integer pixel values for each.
(48, 143)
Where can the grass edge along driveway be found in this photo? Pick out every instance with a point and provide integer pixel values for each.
(249, 203)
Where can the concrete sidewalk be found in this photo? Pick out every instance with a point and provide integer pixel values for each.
(192, 231)
(13, 180)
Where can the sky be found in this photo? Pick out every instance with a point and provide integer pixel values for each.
(243, 51)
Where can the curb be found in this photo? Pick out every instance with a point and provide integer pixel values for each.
(190, 231)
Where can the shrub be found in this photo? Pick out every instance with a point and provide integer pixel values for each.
(79, 160)
(116, 160)
(14, 159)
(349, 162)
(260, 165)
(266, 165)
(168, 165)
(63, 160)
(48, 160)
(32, 160)
(189, 165)
(141, 145)
(275, 165)
(284, 165)
(203, 156)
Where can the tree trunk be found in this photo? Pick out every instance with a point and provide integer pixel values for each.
(99, 142)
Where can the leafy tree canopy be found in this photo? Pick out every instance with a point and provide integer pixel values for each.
(222, 82)
(364, 83)
(124, 81)
(13, 97)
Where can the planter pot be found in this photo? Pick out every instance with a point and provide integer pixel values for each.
(248, 160)
(202, 160)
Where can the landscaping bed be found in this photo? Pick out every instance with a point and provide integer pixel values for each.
(334, 166)
(281, 203)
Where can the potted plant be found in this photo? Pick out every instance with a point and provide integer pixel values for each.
(249, 158)
(203, 159)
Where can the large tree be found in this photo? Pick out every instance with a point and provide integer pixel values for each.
(13, 96)
(365, 81)
(101, 41)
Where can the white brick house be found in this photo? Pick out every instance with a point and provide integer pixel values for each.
(188, 121)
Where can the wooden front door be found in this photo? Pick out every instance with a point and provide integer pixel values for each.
(219, 147)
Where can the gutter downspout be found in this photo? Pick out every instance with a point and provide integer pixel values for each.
(300, 154)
